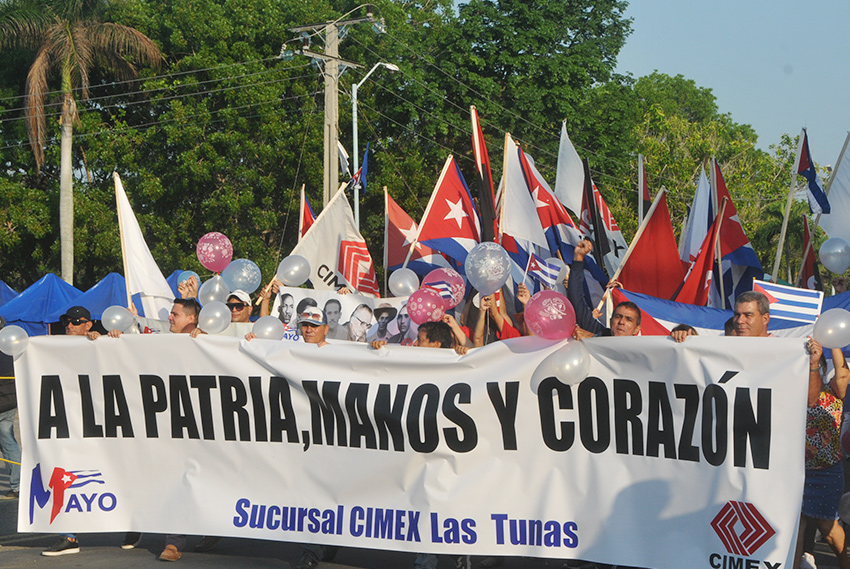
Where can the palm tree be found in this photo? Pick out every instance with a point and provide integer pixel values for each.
(70, 39)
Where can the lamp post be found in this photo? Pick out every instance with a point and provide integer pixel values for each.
(354, 88)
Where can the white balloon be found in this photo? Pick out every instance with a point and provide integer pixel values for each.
(242, 274)
(214, 317)
(832, 329)
(214, 290)
(269, 328)
(117, 318)
(570, 365)
(487, 267)
(294, 270)
(403, 282)
(13, 340)
(834, 254)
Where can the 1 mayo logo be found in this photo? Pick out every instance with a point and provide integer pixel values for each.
(62, 480)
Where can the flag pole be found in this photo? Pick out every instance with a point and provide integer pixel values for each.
(640, 231)
(808, 245)
(502, 193)
(717, 249)
(117, 180)
(640, 188)
(386, 240)
(775, 277)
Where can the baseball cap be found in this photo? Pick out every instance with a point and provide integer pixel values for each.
(75, 312)
(313, 315)
(241, 295)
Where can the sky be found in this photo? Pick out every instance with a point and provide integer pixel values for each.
(777, 65)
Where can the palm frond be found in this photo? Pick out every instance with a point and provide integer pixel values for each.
(36, 90)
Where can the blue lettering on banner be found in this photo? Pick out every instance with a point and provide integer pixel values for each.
(535, 532)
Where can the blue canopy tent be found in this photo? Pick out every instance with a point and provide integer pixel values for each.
(32, 308)
(109, 291)
(7, 293)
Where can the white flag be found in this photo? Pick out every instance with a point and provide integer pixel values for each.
(519, 212)
(569, 180)
(336, 251)
(699, 221)
(835, 223)
(140, 270)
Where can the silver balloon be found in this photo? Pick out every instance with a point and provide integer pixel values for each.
(242, 274)
(214, 290)
(487, 267)
(294, 270)
(117, 318)
(13, 340)
(403, 282)
(834, 254)
(269, 328)
(570, 365)
(214, 317)
(832, 329)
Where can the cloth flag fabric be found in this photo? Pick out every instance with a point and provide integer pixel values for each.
(818, 203)
(142, 274)
(342, 154)
(519, 216)
(649, 326)
(599, 225)
(546, 273)
(569, 179)
(400, 232)
(306, 219)
(364, 168)
(486, 194)
(835, 222)
(336, 251)
(791, 303)
(697, 285)
(644, 201)
(653, 267)
(810, 272)
(699, 221)
(450, 223)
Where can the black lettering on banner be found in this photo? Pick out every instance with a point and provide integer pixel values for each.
(356, 399)
(715, 414)
(256, 388)
(154, 401)
(51, 409)
(282, 416)
(594, 427)
(505, 410)
(463, 393)
(90, 426)
(628, 404)
(690, 394)
(388, 417)
(554, 438)
(747, 427)
(204, 384)
(425, 398)
(234, 398)
(660, 429)
(116, 411)
(182, 412)
(325, 409)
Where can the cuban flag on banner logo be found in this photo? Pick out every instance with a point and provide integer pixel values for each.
(815, 194)
(790, 303)
(544, 272)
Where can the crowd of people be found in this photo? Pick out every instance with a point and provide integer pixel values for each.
(483, 320)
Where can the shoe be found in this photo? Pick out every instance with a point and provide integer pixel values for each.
(463, 562)
(170, 553)
(64, 546)
(131, 540)
(307, 562)
(489, 562)
(11, 495)
(329, 552)
(808, 561)
(207, 542)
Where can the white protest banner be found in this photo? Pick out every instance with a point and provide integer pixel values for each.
(667, 455)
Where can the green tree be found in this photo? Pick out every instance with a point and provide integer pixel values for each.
(71, 39)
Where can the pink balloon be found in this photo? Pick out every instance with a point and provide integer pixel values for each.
(426, 305)
(214, 251)
(550, 315)
(447, 283)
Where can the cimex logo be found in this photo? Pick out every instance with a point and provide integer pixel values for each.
(741, 528)
(65, 492)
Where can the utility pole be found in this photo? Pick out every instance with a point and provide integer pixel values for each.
(332, 64)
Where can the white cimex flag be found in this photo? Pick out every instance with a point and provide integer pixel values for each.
(336, 251)
(665, 455)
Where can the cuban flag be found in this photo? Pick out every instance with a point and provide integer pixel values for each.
(806, 168)
(790, 303)
(546, 273)
(399, 234)
(307, 217)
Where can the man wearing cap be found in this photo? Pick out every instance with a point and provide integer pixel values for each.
(314, 326)
(77, 321)
(8, 408)
(239, 304)
(384, 314)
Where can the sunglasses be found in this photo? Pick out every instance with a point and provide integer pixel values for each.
(76, 321)
(236, 305)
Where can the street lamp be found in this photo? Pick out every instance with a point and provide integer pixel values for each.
(354, 88)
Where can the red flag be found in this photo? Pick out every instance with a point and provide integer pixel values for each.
(654, 267)
(698, 282)
(810, 277)
(400, 233)
(649, 326)
(486, 195)
(732, 234)
(307, 218)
